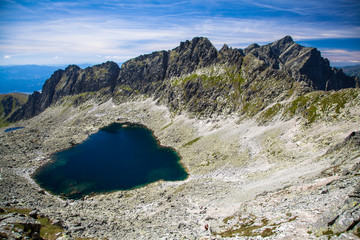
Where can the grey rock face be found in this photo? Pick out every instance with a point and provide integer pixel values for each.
(352, 140)
(75, 80)
(191, 55)
(144, 73)
(304, 64)
(147, 73)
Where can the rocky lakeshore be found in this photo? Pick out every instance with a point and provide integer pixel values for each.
(278, 161)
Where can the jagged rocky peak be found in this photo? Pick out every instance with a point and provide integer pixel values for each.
(190, 55)
(303, 63)
(224, 48)
(274, 54)
(74, 80)
(196, 42)
(250, 48)
(72, 67)
(229, 55)
(147, 72)
(281, 45)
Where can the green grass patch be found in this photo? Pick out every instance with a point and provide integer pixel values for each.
(49, 231)
(24, 211)
(127, 88)
(249, 227)
(83, 108)
(267, 232)
(3, 123)
(191, 142)
(227, 219)
(252, 108)
(213, 77)
(271, 112)
(166, 126)
(314, 105)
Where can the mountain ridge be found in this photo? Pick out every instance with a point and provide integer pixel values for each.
(152, 74)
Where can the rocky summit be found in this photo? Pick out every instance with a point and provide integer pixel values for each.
(268, 134)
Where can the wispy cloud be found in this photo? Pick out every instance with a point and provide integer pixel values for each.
(341, 57)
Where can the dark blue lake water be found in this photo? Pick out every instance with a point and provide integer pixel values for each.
(12, 129)
(118, 157)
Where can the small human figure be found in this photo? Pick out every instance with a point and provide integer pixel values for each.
(206, 227)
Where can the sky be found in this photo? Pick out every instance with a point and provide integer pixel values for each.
(66, 32)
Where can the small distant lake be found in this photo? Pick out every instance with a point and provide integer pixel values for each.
(118, 157)
(12, 129)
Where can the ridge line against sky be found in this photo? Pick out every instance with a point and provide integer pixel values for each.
(74, 32)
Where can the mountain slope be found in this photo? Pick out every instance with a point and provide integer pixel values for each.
(9, 103)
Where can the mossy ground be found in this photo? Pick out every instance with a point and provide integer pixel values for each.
(191, 142)
(313, 106)
(49, 231)
(250, 97)
(251, 226)
(247, 228)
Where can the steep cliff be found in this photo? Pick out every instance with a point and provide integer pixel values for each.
(197, 78)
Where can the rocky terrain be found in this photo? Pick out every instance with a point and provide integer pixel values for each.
(268, 134)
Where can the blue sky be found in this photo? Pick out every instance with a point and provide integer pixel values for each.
(84, 31)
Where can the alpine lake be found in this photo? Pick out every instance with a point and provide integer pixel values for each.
(121, 156)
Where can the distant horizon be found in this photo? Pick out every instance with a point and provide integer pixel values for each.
(62, 32)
